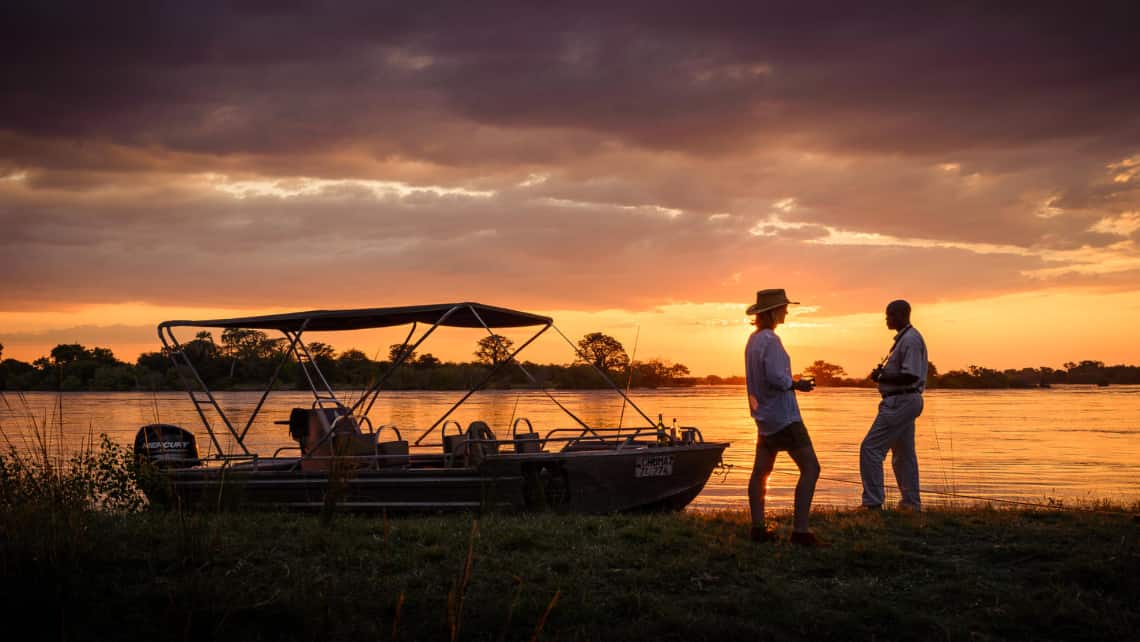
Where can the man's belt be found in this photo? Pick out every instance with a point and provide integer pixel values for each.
(904, 391)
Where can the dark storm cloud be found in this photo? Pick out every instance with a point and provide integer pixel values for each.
(268, 78)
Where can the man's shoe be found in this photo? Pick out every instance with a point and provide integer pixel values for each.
(761, 534)
(871, 507)
(909, 508)
(809, 540)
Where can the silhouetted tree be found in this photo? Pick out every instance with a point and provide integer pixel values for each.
(355, 367)
(604, 351)
(493, 349)
(103, 356)
(428, 360)
(320, 350)
(17, 375)
(241, 344)
(396, 349)
(66, 353)
(202, 349)
(656, 372)
(825, 374)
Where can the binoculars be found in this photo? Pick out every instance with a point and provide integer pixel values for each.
(877, 372)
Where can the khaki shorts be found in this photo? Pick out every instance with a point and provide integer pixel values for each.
(794, 436)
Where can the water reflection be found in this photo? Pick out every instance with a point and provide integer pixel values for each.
(1063, 443)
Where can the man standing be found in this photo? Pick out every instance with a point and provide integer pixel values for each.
(902, 380)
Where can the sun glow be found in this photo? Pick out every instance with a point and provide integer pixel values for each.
(1002, 332)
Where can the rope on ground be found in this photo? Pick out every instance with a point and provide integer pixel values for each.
(995, 500)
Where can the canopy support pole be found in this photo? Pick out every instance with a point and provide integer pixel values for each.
(174, 350)
(604, 377)
(482, 383)
(529, 376)
(374, 391)
(273, 379)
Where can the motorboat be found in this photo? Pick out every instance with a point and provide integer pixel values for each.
(341, 461)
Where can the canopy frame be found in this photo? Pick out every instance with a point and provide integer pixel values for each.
(294, 325)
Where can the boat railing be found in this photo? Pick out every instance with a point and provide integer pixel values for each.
(223, 457)
(352, 421)
(515, 427)
(282, 449)
(463, 453)
(619, 437)
(367, 462)
(392, 427)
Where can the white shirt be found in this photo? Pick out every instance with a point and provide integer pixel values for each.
(768, 372)
(907, 357)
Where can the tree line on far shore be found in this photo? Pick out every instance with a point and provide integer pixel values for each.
(1086, 372)
(245, 359)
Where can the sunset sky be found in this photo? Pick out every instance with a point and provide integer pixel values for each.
(634, 168)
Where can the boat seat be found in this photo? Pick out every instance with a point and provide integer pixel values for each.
(528, 442)
(354, 444)
(299, 424)
(347, 440)
(306, 427)
(455, 450)
(479, 430)
(394, 454)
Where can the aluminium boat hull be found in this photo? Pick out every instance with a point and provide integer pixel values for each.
(596, 481)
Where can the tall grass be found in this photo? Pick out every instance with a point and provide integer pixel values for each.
(51, 490)
(48, 476)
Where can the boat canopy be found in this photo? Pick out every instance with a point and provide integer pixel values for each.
(462, 315)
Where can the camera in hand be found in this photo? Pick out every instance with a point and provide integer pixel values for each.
(877, 372)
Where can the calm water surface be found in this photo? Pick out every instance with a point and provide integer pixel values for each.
(1065, 443)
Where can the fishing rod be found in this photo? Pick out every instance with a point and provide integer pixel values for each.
(629, 378)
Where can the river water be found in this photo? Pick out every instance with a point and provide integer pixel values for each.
(1067, 443)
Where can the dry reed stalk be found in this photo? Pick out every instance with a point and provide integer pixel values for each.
(511, 611)
(545, 614)
(396, 620)
(459, 590)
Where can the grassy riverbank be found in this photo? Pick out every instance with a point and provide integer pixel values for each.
(952, 574)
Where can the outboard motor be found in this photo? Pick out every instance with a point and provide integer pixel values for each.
(166, 446)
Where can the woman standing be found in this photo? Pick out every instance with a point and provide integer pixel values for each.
(772, 401)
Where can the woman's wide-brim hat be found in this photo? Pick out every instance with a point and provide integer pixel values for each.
(769, 300)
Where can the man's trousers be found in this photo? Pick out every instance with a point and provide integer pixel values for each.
(893, 429)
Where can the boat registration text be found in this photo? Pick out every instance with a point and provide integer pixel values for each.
(653, 466)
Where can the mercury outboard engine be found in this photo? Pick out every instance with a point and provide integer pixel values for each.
(166, 446)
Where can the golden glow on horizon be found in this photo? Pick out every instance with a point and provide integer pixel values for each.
(1022, 330)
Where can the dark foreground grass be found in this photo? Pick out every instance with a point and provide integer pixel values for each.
(968, 574)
